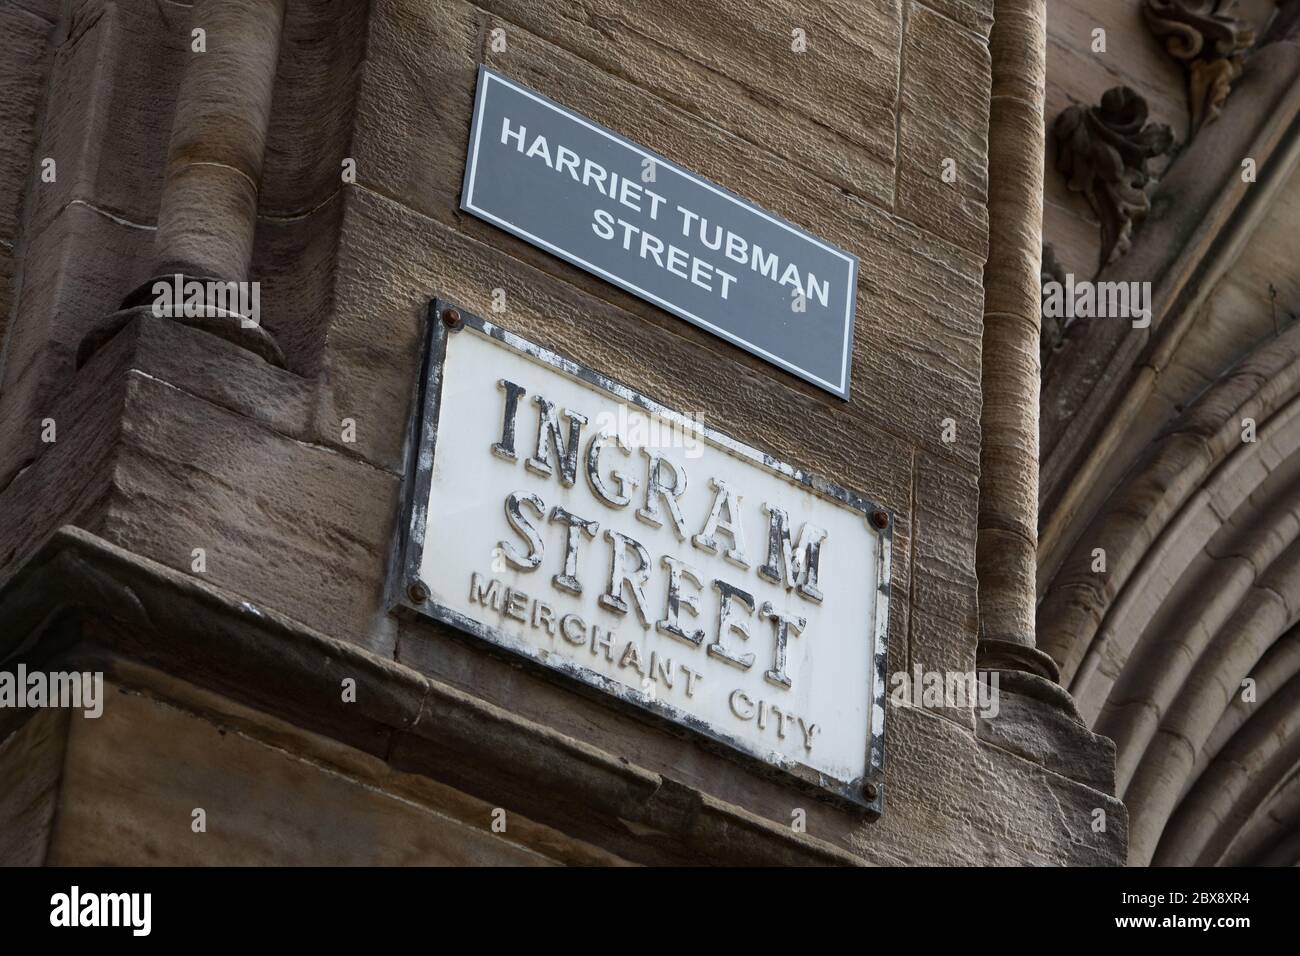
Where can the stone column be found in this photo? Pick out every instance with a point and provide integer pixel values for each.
(208, 208)
(1035, 717)
(1006, 556)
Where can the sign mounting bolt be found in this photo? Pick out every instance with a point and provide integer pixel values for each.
(417, 592)
(880, 519)
(451, 318)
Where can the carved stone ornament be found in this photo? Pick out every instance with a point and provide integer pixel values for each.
(1103, 151)
(1210, 41)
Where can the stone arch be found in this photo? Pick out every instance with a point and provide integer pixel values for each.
(1272, 835)
(1251, 768)
(1201, 589)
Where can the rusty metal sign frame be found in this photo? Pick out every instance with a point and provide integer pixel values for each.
(408, 596)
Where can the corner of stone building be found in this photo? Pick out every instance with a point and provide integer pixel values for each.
(162, 405)
(1034, 717)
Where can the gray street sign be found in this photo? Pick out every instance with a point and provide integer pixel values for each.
(605, 204)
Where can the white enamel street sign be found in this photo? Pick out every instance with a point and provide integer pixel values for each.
(564, 518)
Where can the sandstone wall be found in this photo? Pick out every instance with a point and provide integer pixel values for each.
(171, 439)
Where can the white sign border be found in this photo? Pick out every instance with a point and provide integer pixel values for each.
(410, 596)
(488, 75)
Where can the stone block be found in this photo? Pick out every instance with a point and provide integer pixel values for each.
(943, 124)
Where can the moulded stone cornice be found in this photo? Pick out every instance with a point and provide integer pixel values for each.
(1210, 42)
(80, 598)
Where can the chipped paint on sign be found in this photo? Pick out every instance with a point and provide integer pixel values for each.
(566, 518)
